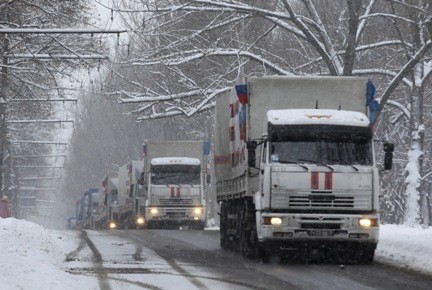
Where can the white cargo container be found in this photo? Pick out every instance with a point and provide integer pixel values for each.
(295, 167)
(175, 183)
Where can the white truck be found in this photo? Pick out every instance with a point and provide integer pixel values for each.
(174, 177)
(127, 199)
(295, 167)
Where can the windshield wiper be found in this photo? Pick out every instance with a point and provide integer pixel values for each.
(343, 163)
(317, 162)
(293, 162)
(346, 163)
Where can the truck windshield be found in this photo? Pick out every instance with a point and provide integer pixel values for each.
(322, 152)
(175, 174)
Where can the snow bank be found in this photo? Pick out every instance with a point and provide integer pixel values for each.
(211, 225)
(406, 247)
(34, 257)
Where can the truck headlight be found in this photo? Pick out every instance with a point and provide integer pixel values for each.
(140, 221)
(276, 221)
(368, 222)
(112, 225)
(154, 210)
(198, 210)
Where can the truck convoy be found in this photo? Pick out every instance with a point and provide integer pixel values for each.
(174, 179)
(295, 167)
(170, 192)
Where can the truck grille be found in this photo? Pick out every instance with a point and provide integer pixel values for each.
(175, 201)
(175, 214)
(330, 201)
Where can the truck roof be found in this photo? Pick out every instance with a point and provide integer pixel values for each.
(302, 92)
(175, 161)
(172, 149)
(317, 117)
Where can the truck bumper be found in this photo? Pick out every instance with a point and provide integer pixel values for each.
(326, 228)
(176, 214)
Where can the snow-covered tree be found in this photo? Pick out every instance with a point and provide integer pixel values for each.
(188, 52)
(413, 23)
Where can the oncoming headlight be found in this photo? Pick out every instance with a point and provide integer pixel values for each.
(197, 210)
(140, 221)
(112, 225)
(154, 210)
(275, 221)
(368, 222)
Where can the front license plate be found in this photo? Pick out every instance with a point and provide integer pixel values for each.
(325, 233)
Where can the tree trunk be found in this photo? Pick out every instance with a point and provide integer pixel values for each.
(413, 169)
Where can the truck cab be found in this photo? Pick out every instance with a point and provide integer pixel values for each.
(317, 179)
(175, 192)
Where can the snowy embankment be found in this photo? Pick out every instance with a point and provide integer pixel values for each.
(35, 258)
(406, 247)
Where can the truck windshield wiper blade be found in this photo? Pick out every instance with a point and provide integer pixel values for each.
(293, 162)
(346, 163)
(318, 162)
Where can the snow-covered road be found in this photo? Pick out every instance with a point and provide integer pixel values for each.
(37, 258)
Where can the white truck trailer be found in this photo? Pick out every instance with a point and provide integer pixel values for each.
(175, 183)
(295, 166)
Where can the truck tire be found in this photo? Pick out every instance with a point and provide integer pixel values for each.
(365, 254)
(249, 246)
(224, 242)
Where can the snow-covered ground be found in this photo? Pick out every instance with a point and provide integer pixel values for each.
(35, 258)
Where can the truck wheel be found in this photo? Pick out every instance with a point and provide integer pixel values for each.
(151, 225)
(224, 242)
(249, 246)
(365, 254)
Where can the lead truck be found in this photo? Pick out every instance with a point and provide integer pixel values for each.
(175, 183)
(295, 167)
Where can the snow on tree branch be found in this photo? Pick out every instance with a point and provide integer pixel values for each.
(183, 57)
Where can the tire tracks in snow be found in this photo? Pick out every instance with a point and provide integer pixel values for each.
(171, 262)
(100, 271)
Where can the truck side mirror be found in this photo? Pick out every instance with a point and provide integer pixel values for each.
(208, 178)
(141, 179)
(251, 145)
(388, 156)
(251, 157)
(388, 147)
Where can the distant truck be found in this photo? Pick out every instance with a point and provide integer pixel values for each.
(175, 183)
(295, 167)
(126, 197)
(86, 209)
